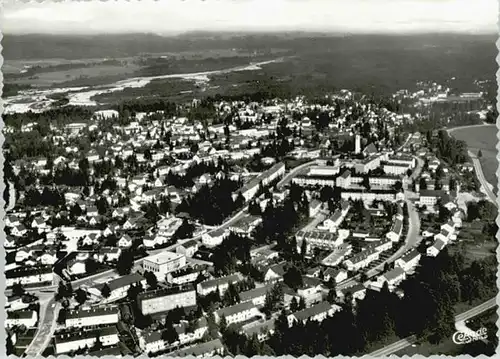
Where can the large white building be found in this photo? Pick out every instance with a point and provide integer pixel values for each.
(163, 263)
(369, 196)
(91, 316)
(396, 168)
(164, 299)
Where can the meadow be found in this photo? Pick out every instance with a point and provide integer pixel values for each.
(482, 138)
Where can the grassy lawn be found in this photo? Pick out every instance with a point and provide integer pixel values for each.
(379, 345)
(426, 349)
(475, 250)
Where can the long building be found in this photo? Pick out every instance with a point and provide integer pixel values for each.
(68, 342)
(372, 195)
(220, 284)
(164, 299)
(92, 316)
(250, 189)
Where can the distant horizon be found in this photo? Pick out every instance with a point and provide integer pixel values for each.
(257, 32)
(332, 17)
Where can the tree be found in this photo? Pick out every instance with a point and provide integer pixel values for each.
(332, 296)
(18, 290)
(98, 344)
(105, 291)
(294, 305)
(80, 296)
(125, 262)
(302, 303)
(170, 334)
(479, 154)
(303, 248)
(293, 278)
(9, 345)
(222, 324)
(151, 279)
(231, 295)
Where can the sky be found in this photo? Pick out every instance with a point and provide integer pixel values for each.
(177, 16)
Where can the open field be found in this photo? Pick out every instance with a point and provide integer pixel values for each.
(482, 138)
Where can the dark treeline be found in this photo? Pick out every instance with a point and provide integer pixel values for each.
(212, 204)
(426, 310)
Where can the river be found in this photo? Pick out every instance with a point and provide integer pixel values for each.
(38, 100)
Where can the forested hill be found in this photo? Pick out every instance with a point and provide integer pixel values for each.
(98, 46)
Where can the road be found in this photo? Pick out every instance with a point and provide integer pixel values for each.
(49, 310)
(412, 239)
(288, 177)
(406, 342)
(12, 198)
(471, 313)
(480, 175)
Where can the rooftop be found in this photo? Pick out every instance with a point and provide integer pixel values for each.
(164, 257)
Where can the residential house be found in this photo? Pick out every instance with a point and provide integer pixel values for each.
(336, 275)
(392, 277)
(125, 242)
(257, 296)
(206, 349)
(214, 238)
(238, 313)
(409, 261)
(118, 287)
(435, 248)
(395, 233)
(188, 248)
(317, 313)
(275, 272)
(220, 284)
(263, 329)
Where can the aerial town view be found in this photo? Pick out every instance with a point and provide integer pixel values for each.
(225, 191)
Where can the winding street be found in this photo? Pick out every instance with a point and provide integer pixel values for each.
(480, 176)
(412, 239)
(49, 310)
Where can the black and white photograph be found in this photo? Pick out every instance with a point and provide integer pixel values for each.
(249, 178)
